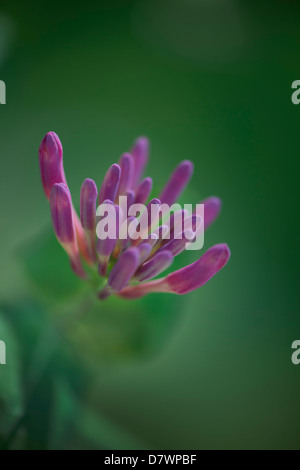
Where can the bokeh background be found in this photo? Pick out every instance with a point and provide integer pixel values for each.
(206, 80)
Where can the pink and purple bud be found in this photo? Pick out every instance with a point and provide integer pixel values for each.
(177, 182)
(144, 250)
(88, 203)
(51, 162)
(110, 184)
(122, 272)
(159, 263)
(212, 209)
(140, 153)
(200, 272)
(106, 246)
(187, 279)
(177, 245)
(126, 164)
(127, 261)
(143, 191)
(63, 224)
(52, 172)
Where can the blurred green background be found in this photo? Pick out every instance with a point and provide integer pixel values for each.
(206, 80)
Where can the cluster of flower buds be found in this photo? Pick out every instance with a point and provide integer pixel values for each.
(128, 265)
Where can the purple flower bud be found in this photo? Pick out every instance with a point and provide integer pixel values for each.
(105, 247)
(62, 213)
(212, 208)
(126, 201)
(123, 235)
(177, 245)
(175, 225)
(153, 213)
(187, 279)
(143, 191)
(177, 182)
(162, 232)
(124, 269)
(51, 162)
(140, 153)
(144, 250)
(159, 263)
(152, 239)
(126, 164)
(130, 198)
(88, 202)
(129, 252)
(191, 223)
(110, 184)
(52, 172)
(197, 274)
(63, 224)
(149, 218)
(81, 239)
(159, 237)
(177, 221)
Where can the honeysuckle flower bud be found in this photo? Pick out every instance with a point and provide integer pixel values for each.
(110, 184)
(212, 209)
(52, 171)
(162, 231)
(126, 164)
(175, 225)
(106, 246)
(193, 222)
(153, 214)
(51, 162)
(143, 191)
(88, 203)
(152, 239)
(126, 201)
(124, 269)
(177, 245)
(145, 240)
(148, 219)
(140, 153)
(130, 199)
(122, 272)
(63, 224)
(160, 262)
(187, 279)
(177, 182)
(124, 238)
(104, 250)
(81, 239)
(61, 213)
(144, 250)
(198, 273)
